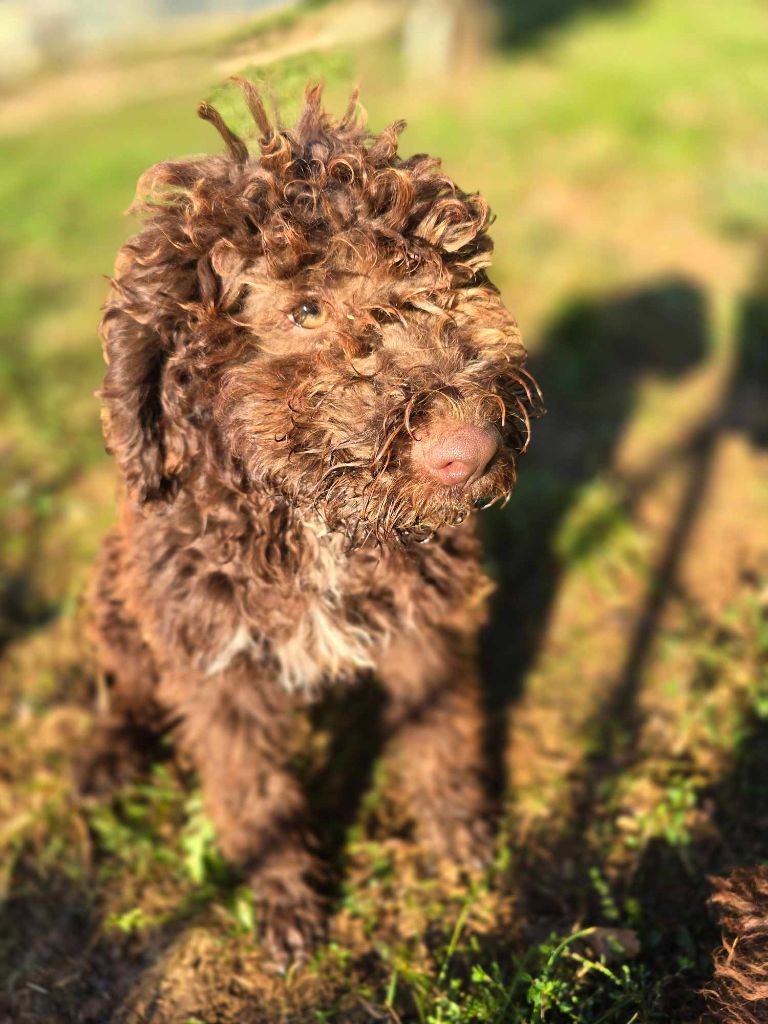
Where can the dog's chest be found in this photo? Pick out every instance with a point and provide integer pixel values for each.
(329, 621)
(337, 632)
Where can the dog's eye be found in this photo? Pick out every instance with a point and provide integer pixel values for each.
(308, 314)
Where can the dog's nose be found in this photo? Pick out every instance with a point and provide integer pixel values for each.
(457, 454)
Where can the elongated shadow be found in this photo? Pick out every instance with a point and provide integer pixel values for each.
(741, 407)
(590, 364)
(669, 884)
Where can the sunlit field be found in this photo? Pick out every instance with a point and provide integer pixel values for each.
(624, 151)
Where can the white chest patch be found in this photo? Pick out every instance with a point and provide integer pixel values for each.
(325, 644)
(241, 642)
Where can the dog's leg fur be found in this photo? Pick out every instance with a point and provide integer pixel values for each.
(239, 729)
(435, 719)
(124, 741)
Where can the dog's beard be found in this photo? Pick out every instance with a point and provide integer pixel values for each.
(400, 506)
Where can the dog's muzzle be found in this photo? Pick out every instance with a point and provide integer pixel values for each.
(456, 454)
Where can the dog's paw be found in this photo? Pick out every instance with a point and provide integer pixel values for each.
(289, 930)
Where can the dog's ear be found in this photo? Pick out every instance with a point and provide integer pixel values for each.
(170, 281)
(132, 415)
(159, 276)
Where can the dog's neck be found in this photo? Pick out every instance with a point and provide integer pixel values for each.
(265, 502)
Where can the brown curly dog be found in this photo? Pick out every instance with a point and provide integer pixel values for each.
(311, 384)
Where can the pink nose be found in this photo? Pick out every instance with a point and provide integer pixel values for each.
(456, 454)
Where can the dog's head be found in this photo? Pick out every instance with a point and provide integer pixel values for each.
(316, 321)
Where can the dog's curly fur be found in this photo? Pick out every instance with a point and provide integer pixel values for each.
(739, 992)
(272, 531)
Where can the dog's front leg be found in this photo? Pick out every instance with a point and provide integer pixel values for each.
(238, 728)
(434, 716)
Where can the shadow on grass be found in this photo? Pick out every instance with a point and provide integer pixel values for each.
(57, 963)
(664, 893)
(525, 22)
(63, 961)
(352, 719)
(590, 363)
(743, 407)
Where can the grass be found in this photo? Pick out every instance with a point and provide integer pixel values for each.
(627, 694)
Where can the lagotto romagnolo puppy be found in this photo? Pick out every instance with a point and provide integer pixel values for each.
(311, 384)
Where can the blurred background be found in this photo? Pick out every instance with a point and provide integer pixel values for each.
(623, 146)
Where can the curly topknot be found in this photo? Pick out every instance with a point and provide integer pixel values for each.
(312, 184)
